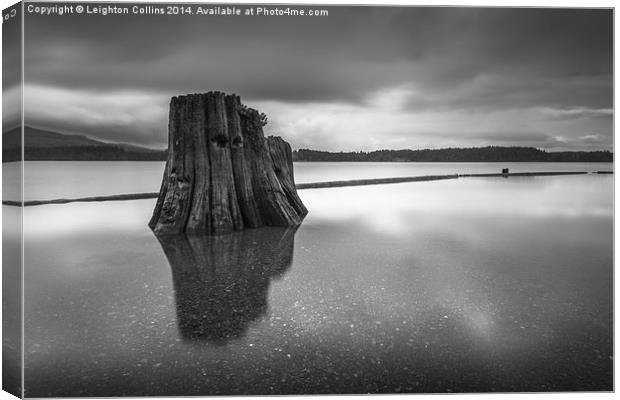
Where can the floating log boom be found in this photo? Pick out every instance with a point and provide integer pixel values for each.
(313, 185)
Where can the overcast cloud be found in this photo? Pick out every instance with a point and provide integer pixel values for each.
(362, 78)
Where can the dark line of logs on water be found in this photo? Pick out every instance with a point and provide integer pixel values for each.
(301, 186)
(378, 181)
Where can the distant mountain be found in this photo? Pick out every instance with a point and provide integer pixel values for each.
(44, 145)
(474, 154)
(41, 145)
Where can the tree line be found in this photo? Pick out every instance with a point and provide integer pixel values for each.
(473, 154)
(82, 153)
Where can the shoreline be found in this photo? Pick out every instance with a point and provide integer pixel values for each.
(338, 161)
(313, 185)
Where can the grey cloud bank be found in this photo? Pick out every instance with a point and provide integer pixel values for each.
(361, 78)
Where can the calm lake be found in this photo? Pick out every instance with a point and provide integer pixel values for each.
(466, 285)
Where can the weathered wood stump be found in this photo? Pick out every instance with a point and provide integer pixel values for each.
(222, 175)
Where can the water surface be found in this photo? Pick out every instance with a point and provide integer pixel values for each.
(479, 284)
(45, 180)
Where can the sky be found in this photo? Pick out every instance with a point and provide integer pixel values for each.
(361, 78)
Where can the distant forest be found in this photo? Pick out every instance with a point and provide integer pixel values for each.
(111, 152)
(474, 154)
(82, 153)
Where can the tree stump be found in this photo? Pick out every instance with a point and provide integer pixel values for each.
(222, 175)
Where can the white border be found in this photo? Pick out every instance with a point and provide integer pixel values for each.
(480, 3)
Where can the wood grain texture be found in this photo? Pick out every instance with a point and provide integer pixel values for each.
(222, 174)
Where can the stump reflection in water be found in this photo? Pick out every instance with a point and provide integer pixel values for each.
(221, 283)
